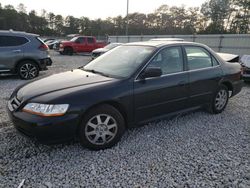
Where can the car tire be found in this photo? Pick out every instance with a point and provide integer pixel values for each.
(101, 128)
(27, 70)
(219, 100)
(68, 51)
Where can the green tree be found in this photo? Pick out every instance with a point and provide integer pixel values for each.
(72, 25)
(217, 11)
(59, 25)
(21, 8)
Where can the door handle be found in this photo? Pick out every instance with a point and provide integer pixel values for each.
(181, 83)
(16, 51)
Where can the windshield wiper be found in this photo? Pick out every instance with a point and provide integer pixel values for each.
(96, 72)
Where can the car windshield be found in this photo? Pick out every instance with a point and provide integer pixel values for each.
(121, 61)
(73, 39)
(111, 46)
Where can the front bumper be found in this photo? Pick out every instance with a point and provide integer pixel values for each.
(61, 49)
(47, 130)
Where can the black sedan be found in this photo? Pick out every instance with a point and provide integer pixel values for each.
(130, 85)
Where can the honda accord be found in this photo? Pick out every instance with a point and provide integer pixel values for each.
(129, 85)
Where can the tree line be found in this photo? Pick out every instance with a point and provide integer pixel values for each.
(213, 17)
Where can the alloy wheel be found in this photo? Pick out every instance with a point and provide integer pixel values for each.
(101, 129)
(221, 99)
(28, 71)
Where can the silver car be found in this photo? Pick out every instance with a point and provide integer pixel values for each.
(99, 51)
(23, 53)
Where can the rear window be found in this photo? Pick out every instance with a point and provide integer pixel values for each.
(40, 40)
(198, 58)
(12, 41)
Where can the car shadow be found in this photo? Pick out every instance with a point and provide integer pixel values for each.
(9, 76)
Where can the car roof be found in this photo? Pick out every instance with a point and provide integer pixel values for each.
(166, 39)
(161, 43)
(17, 33)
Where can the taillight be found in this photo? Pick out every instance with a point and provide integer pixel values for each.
(43, 47)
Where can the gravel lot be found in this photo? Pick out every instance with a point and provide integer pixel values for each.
(193, 150)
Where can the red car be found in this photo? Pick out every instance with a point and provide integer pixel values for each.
(80, 44)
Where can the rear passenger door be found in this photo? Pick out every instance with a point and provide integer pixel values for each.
(204, 74)
(11, 50)
(90, 44)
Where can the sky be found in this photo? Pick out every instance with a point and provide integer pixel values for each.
(98, 8)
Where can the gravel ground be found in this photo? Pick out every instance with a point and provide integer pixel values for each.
(193, 150)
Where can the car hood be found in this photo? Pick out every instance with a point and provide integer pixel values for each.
(100, 50)
(66, 42)
(56, 82)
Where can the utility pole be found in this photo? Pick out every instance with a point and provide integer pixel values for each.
(127, 18)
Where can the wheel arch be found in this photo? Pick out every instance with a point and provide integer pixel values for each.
(229, 86)
(71, 47)
(25, 59)
(118, 106)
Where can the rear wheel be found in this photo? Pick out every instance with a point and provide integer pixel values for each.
(220, 100)
(101, 128)
(27, 70)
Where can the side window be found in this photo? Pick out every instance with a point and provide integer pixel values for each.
(215, 62)
(90, 41)
(12, 41)
(169, 60)
(198, 58)
(80, 40)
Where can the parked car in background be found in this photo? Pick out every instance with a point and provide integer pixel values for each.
(52, 43)
(48, 39)
(23, 53)
(245, 62)
(231, 58)
(99, 51)
(167, 39)
(130, 85)
(80, 44)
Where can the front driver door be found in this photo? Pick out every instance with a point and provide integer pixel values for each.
(80, 44)
(155, 97)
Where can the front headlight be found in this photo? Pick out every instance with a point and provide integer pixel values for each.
(46, 109)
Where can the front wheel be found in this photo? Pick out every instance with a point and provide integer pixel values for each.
(101, 128)
(68, 51)
(220, 100)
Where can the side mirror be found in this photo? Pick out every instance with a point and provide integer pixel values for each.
(151, 72)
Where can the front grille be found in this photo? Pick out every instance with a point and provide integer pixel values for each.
(14, 104)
